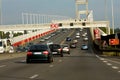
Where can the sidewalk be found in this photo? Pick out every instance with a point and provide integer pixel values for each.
(4, 56)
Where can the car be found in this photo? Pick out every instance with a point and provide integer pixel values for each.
(42, 40)
(39, 52)
(84, 47)
(68, 39)
(75, 41)
(72, 45)
(77, 36)
(56, 49)
(65, 48)
(85, 38)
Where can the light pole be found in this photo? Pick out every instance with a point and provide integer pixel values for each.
(112, 15)
(0, 12)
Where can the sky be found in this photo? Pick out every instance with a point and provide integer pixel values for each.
(12, 9)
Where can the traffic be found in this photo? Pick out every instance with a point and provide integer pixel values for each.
(54, 59)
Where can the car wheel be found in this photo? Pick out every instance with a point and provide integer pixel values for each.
(68, 52)
(61, 54)
(50, 59)
(27, 60)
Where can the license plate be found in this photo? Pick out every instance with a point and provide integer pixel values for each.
(54, 52)
(37, 53)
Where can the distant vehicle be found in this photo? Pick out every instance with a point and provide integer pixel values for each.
(39, 52)
(84, 47)
(77, 37)
(75, 41)
(72, 45)
(77, 34)
(68, 39)
(85, 38)
(21, 49)
(56, 49)
(42, 40)
(65, 48)
(5, 46)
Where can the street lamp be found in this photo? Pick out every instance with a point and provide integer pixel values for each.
(0, 12)
(112, 15)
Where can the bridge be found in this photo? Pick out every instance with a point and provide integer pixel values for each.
(38, 25)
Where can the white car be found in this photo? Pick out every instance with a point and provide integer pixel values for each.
(85, 38)
(77, 36)
(66, 49)
(84, 47)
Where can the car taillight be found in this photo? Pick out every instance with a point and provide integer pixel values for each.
(29, 53)
(60, 49)
(46, 52)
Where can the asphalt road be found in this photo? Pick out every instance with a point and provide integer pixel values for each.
(79, 65)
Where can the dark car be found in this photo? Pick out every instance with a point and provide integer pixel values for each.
(72, 45)
(68, 39)
(56, 49)
(39, 52)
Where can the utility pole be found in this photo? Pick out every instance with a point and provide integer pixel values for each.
(0, 12)
(112, 15)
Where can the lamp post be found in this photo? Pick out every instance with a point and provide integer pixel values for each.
(112, 15)
(0, 12)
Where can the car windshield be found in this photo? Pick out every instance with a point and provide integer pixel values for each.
(55, 46)
(0, 43)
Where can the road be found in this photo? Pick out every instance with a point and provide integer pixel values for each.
(79, 65)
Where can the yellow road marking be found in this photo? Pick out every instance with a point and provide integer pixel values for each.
(68, 35)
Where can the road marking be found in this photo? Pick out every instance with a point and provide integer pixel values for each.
(114, 67)
(113, 61)
(105, 61)
(109, 64)
(2, 66)
(34, 76)
(51, 66)
(68, 35)
(119, 71)
(60, 60)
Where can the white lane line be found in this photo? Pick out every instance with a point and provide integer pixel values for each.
(109, 64)
(105, 61)
(2, 66)
(51, 66)
(114, 67)
(113, 61)
(60, 60)
(34, 76)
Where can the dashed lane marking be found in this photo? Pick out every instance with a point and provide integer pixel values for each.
(2, 66)
(114, 67)
(51, 66)
(109, 64)
(60, 60)
(34, 76)
(105, 61)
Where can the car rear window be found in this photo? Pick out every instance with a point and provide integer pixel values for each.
(55, 46)
(38, 47)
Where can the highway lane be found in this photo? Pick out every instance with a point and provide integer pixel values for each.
(79, 65)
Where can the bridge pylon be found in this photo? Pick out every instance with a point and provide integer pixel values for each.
(81, 4)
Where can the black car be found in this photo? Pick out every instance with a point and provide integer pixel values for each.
(39, 52)
(56, 49)
(68, 39)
